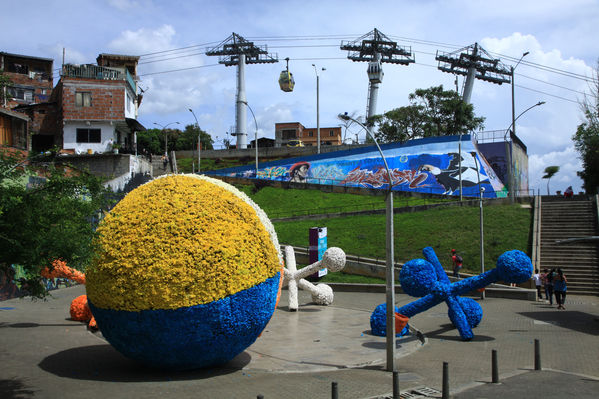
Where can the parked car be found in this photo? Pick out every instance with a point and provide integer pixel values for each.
(295, 143)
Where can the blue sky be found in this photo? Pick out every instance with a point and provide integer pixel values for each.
(560, 37)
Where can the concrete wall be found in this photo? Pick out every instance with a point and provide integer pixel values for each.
(70, 137)
(268, 152)
(102, 165)
(118, 169)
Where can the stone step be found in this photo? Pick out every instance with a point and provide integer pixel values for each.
(579, 263)
(553, 248)
(582, 292)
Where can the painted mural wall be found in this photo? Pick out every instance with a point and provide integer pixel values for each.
(430, 165)
(520, 160)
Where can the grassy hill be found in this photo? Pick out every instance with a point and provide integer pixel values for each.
(505, 227)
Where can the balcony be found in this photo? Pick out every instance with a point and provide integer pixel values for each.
(89, 71)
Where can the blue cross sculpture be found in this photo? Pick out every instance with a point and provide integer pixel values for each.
(427, 279)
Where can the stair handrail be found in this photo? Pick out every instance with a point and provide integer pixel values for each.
(597, 209)
(536, 236)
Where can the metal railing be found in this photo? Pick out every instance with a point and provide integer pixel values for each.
(399, 202)
(89, 71)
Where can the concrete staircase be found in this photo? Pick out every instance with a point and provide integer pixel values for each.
(157, 166)
(564, 219)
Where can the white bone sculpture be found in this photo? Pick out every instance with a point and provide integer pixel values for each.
(333, 259)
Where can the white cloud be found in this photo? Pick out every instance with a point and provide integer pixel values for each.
(569, 164)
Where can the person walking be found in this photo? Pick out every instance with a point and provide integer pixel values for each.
(457, 263)
(549, 285)
(560, 288)
(538, 284)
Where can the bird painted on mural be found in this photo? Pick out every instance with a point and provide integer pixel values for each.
(449, 177)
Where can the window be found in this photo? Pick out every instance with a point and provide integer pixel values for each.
(89, 135)
(311, 133)
(17, 68)
(83, 99)
(128, 103)
(288, 134)
(18, 93)
(331, 133)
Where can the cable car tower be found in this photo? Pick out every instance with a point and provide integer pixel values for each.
(235, 50)
(376, 48)
(475, 63)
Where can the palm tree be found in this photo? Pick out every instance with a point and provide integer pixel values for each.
(549, 172)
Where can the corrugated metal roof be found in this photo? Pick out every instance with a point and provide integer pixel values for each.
(14, 114)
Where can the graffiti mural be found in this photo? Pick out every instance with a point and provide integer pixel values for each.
(431, 165)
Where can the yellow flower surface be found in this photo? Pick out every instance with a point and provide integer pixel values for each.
(177, 241)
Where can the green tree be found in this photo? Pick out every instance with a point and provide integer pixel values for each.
(53, 218)
(550, 171)
(153, 139)
(188, 139)
(586, 139)
(431, 112)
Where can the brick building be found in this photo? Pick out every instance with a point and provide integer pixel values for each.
(285, 132)
(31, 82)
(97, 105)
(31, 78)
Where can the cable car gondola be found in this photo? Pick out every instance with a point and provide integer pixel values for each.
(286, 81)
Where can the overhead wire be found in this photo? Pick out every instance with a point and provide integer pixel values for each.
(192, 51)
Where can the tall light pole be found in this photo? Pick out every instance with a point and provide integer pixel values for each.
(508, 149)
(482, 236)
(165, 135)
(256, 136)
(512, 69)
(390, 332)
(317, 106)
(199, 139)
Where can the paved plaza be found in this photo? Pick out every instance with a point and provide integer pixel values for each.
(43, 354)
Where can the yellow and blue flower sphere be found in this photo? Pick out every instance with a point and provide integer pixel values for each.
(187, 273)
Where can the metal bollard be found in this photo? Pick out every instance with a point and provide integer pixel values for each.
(334, 393)
(395, 385)
(537, 355)
(445, 393)
(494, 369)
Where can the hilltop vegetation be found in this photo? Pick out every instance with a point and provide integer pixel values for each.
(506, 227)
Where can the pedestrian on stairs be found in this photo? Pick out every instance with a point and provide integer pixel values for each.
(549, 285)
(560, 288)
(538, 283)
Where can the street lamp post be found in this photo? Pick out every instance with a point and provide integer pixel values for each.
(508, 149)
(317, 107)
(165, 135)
(512, 69)
(256, 135)
(482, 236)
(199, 140)
(390, 290)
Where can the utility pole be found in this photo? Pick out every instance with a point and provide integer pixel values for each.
(475, 63)
(199, 140)
(318, 107)
(376, 48)
(511, 170)
(235, 50)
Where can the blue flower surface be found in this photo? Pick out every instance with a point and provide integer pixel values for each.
(194, 336)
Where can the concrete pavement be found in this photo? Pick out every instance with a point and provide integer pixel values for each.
(43, 354)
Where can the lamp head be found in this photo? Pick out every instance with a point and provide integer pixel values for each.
(525, 54)
(344, 116)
